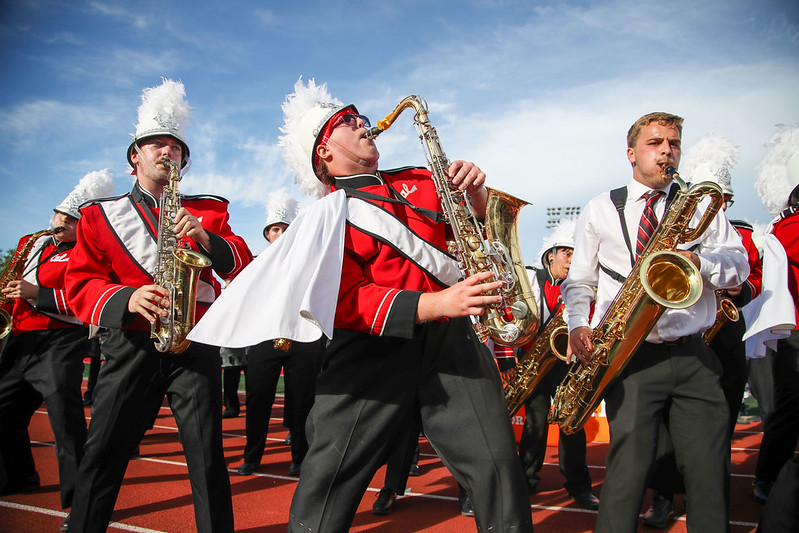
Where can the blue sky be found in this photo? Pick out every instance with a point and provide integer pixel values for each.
(539, 94)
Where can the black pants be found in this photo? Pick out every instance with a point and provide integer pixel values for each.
(405, 452)
(533, 444)
(231, 377)
(781, 433)
(300, 365)
(685, 379)
(366, 396)
(133, 382)
(94, 367)
(43, 365)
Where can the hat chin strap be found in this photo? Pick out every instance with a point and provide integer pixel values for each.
(352, 157)
(152, 166)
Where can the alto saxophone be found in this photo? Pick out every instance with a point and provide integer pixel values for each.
(661, 278)
(177, 270)
(726, 311)
(534, 365)
(489, 247)
(13, 271)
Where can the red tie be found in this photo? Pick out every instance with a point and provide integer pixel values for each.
(648, 222)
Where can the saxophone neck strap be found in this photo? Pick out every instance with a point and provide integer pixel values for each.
(619, 199)
(435, 216)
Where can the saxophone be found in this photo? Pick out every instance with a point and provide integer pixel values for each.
(726, 311)
(534, 365)
(661, 278)
(177, 270)
(13, 271)
(479, 247)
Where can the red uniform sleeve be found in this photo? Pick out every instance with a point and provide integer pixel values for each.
(95, 292)
(755, 279)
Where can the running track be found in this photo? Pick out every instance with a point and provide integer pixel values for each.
(155, 496)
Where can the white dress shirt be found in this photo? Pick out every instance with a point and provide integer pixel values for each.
(598, 239)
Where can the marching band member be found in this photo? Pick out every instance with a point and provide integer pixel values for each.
(710, 159)
(368, 268)
(299, 362)
(673, 366)
(402, 339)
(110, 284)
(778, 187)
(42, 358)
(556, 257)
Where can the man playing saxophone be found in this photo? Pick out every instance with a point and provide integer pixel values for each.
(110, 284)
(42, 358)
(673, 367)
(402, 340)
(556, 259)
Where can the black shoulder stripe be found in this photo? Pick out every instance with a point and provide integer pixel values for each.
(205, 197)
(742, 224)
(401, 169)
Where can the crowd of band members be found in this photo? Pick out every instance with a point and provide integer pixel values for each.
(390, 371)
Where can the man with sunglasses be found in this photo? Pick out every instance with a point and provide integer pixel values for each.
(402, 341)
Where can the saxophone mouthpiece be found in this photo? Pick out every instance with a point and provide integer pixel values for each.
(671, 172)
(372, 133)
(58, 229)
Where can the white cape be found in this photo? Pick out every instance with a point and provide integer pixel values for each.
(290, 290)
(772, 315)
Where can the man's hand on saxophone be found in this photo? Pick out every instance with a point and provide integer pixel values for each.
(580, 345)
(148, 301)
(20, 289)
(468, 177)
(465, 298)
(187, 225)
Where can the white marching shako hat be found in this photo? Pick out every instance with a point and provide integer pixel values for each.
(561, 237)
(778, 173)
(281, 207)
(710, 159)
(95, 184)
(305, 114)
(164, 110)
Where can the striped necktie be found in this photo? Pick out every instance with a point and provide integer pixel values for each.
(648, 222)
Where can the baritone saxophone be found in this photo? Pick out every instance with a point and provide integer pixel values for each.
(177, 270)
(492, 246)
(660, 279)
(534, 364)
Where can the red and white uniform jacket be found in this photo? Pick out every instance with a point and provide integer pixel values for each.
(46, 266)
(382, 278)
(786, 229)
(117, 252)
(752, 285)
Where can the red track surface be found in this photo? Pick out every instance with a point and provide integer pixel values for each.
(156, 495)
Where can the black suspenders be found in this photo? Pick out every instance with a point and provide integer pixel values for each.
(619, 199)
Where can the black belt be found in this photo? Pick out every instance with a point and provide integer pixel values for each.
(682, 340)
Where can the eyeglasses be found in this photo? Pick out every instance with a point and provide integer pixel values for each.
(351, 120)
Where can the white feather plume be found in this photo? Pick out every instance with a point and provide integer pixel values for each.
(772, 183)
(295, 107)
(279, 205)
(96, 184)
(710, 158)
(167, 105)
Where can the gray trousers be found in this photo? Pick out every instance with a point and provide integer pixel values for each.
(686, 377)
(366, 396)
